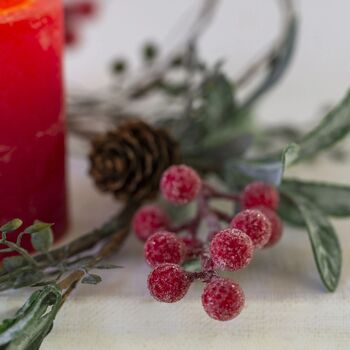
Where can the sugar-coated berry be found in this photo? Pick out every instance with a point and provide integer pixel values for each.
(255, 224)
(194, 247)
(259, 193)
(180, 184)
(168, 283)
(223, 299)
(148, 220)
(231, 249)
(164, 247)
(276, 226)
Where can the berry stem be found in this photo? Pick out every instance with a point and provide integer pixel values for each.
(207, 214)
(191, 226)
(212, 193)
(222, 216)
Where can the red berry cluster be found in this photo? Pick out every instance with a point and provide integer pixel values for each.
(230, 242)
(76, 12)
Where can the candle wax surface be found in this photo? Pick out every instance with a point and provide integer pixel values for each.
(32, 148)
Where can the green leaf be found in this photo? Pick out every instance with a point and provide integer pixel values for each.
(13, 263)
(32, 322)
(324, 241)
(289, 212)
(91, 279)
(269, 172)
(334, 126)
(37, 227)
(218, 104)
(332, 199)
(290, 154)
(42, 240)
(13, 225)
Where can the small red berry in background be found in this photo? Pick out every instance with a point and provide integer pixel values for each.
(276, 226)
(180, 184)
(76, 12)
(231, 249)
(164, 247)
(223, 299)
(148, 220)
(259, 193)
(168, 283)
(255, 224)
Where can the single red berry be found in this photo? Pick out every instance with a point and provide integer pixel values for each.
(168, 283)
(223, 299)
(194, 247)
(164, 247)
(259, 193)
(276, 225)
(255, 224)
(86, 8)
(231, 249)
(180, 184)
(148, 220)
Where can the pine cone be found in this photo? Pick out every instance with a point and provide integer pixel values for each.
(130, 160)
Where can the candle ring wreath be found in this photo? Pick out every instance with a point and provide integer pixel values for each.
(195, 143)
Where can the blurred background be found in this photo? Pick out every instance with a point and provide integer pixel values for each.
(240, 31)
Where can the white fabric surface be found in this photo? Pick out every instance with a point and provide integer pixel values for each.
(286, 305)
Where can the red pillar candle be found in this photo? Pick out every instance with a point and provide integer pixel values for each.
(32, 166)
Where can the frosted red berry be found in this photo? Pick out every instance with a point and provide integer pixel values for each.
(193, 247)
(276, 226)
(180, 184)
(168, 283)
(223, 299)
(259, 193)
(255, 224)
(164, 247)
(231, 249)
(148, 220)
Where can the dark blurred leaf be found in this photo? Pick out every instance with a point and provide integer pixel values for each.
(28, 278)
(218, 104)
(324, 241)
(13, 262)
(12, 225)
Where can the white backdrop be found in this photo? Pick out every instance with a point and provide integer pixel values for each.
(320, 73)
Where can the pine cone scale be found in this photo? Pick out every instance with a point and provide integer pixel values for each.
(130, 160)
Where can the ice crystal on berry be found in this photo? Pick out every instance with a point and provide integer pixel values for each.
(223, 299)
(168, 283)
(164, 247)
(180, 184)
(231, 249)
